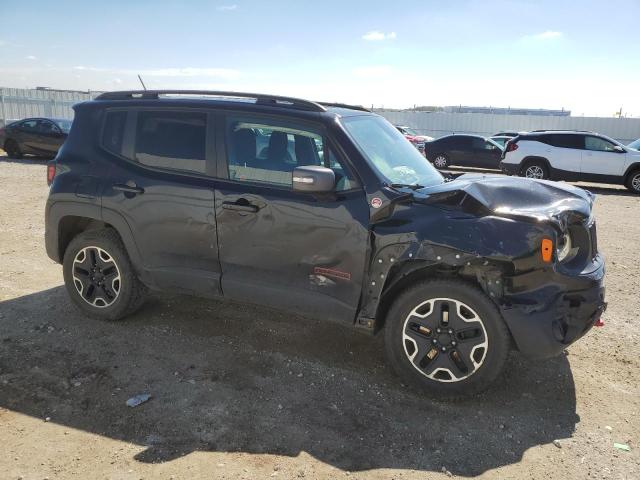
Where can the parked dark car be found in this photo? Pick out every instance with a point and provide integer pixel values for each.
(37, 136)
(339, 219)
(464, 151)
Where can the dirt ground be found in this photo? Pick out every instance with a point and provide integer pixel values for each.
(246, 392)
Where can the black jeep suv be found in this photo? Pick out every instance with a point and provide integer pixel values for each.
(323, 210)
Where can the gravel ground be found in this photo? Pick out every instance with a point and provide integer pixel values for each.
(245, 392)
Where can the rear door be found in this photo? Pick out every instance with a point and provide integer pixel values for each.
(296, 251)
(600, 157)
(564, 151)
(27, 136)
(162, 181)
(459, 150)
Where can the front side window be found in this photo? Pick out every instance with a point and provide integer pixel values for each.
(46, 127)
(598, 144)
(388, 151)
(64, 125)
(267, 152)
(172, 140)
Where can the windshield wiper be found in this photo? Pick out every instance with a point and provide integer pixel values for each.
(412, 186)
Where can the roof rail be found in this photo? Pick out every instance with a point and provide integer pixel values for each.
(344, 105)
(261, 99)
(560, 130)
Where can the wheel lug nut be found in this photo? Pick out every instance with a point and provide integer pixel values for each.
(453, 344)
(450, 331)
(444, 349)
(434, 341)
(438, 330)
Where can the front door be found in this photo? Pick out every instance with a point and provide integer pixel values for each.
(297, 251)
(485, 154)
(600, 158)
(162, 182)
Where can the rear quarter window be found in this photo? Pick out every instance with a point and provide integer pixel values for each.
(113, 131)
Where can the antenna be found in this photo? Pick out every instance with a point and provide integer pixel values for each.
(143, 85)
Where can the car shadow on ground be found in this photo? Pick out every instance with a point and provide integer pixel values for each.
(234, 378)
(25, 160)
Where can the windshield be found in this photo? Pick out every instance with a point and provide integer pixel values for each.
(389, 152)
(65, 125)
(410, 131)
(635, 145)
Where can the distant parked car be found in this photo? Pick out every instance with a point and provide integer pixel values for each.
(463, 150)
(417, 140)
(572, 155)
(501, 139)
(635, 145)
(38, 136)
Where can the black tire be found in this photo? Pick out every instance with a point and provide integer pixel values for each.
(490, 329)
(13, 149)
(536, 169)
(633, 181)
(441, 161)
(120, 292)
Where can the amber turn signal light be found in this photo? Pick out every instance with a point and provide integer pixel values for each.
(547, 250)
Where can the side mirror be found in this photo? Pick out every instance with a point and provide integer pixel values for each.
(313, 179)
(618, 149)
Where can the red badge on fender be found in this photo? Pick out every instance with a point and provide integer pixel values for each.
(376, 202)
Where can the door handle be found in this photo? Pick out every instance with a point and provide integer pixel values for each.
(240, 207)
(128, 187)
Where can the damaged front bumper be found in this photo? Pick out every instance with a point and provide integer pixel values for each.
(544, 321)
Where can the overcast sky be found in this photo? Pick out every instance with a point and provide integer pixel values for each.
(578, 55)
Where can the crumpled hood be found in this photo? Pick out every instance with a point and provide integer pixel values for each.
(514, 196)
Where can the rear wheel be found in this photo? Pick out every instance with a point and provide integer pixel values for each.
(535, 169)
(441, 161)
(99, 276)
(13, 149)
(447, 338)
(633, 181)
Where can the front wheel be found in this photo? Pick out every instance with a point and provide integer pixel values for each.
(99, 276)
(633, 181)
(447, 338)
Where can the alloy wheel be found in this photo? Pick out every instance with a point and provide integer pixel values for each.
(445, 340)
(534, 171)
(635, 182)
(440, 161)
(96, 277)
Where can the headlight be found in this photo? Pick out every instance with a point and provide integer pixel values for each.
(563, 249)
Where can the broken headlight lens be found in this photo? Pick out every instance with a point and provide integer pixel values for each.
(564, 248)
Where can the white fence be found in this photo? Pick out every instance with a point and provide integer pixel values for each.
(437, 124)
(17, 103)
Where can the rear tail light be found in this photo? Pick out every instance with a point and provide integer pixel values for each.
(511, 147)
(51, 172)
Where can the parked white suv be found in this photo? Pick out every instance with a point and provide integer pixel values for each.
(572, 155)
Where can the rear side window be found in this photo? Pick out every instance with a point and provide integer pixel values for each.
(113, 131)
(173, 140)
(563, 140)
